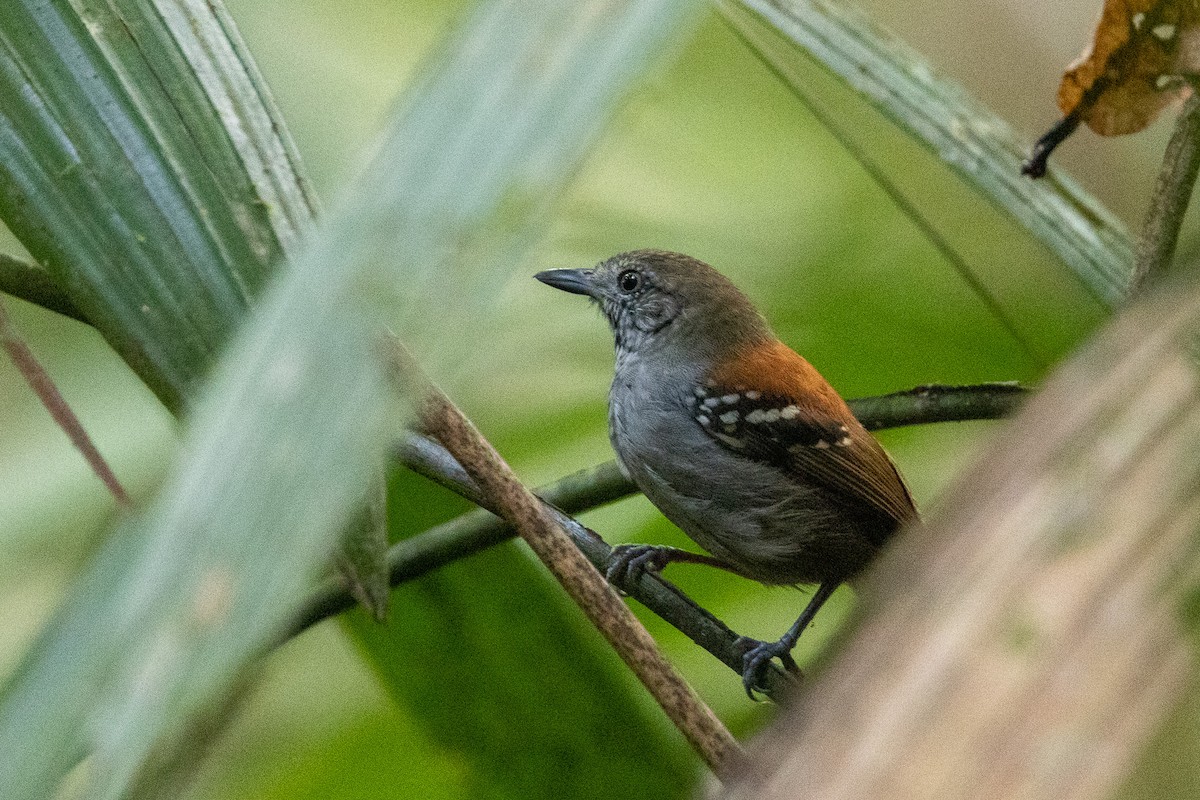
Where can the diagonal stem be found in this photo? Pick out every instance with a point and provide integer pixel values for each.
(43, 386)
(586, 586)
(591, 488)
(1168, 204)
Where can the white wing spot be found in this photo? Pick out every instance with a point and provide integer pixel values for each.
(1164, 32)
(700, 391)
(771, 416)
(703, 420)
(1138, 19)
(729, 399)
(753, 395)
(843, 429)
(844, 441)
(756, 416)
(790, 412)
(729, 417)
(712, 402)
(821, 444)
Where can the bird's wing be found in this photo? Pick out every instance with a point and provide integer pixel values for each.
(771, 405)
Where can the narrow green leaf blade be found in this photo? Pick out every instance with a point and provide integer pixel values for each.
(299, 414)
(147, 173)
(977, 144)
(502, 671)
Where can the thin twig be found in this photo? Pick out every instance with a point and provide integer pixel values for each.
(588, 489)
(480, 529)
(1168, 204)
(468, 534)
(934, 402)
(586, 586)
(43, 386)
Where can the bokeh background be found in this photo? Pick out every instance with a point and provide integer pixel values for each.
(712, 156)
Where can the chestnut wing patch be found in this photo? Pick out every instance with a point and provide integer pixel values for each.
(836, 453)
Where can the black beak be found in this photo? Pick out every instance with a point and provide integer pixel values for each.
(575, 281)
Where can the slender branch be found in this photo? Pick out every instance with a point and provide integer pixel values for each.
(1168, 204)
(472, 532)
(480, 529)
(591, 488)
(938, 403)
(586, 586)
(917, 406)
(43, 386)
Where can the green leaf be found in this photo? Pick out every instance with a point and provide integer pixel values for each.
(298, 415)
(942, 116)
(505, 684)
(143, 165)
(35, 285)
(505, 673)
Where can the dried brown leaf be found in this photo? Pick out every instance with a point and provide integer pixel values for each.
(1140, 60)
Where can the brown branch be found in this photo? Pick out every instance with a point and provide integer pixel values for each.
(43, 386)
(477, 530)
(586, 586)
(1031, 637)
(1169, 202)
(591, 488)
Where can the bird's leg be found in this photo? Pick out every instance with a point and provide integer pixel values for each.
(759, 654)
(629, 561)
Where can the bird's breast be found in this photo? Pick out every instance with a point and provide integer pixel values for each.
(773, 528)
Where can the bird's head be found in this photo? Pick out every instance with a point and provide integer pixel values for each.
(655, 299)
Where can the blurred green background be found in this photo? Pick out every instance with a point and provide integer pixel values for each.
(713, 156)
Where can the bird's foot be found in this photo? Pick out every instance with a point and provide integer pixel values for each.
(629, 562)
(757, 656)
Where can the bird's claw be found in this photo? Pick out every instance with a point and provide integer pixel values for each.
(757, 655)
(629, 562)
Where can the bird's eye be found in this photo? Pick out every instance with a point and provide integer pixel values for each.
(629, 280)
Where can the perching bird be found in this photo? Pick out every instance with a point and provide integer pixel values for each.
(735, 438)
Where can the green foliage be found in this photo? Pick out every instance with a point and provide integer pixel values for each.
(299, 414)
(488, 654)
(124, 176)
(484, 683)
(521, 701)
(943, 118)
